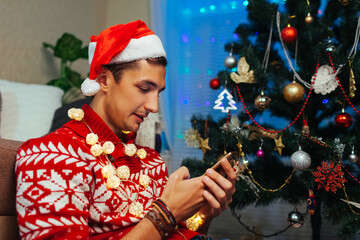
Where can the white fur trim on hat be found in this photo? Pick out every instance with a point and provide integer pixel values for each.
(145, 47)
(90, 87)
(91, 51)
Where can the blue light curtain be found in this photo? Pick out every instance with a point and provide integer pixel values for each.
(194, 34)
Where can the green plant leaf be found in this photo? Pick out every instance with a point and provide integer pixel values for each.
(62, 83)
(74, 78)
(68, 47)
(85, 52)
(48, 45)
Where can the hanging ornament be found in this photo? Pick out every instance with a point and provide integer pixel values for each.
(220, 105)
(329, 46)
(309, 18)
(352, 86)
(204, 145)
(130, 149)
(344, 2)
(260, 153)
(262, 102)
(230, 61)
(279, 145)
(352, 156)
(295, 219)
(329, 176)
(311, 202)
(305, 129)
(325, 80)
(343, 119)
(289, 34)
(215, 83)
(300, 160)
(192, 138)
(293, 92)
(245, 75)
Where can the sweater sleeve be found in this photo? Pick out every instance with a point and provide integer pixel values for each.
(54, 184)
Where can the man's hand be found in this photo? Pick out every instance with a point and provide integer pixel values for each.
(219, 190)
(182, 195)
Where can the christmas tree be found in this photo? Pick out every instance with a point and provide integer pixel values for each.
(299, 64)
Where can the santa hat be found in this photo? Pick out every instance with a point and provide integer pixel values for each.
(118, 44)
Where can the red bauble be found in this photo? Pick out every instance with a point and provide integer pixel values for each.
(343, 120)
(215, 83)
(289, 34)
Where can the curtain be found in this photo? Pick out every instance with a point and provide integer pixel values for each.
(194, 34)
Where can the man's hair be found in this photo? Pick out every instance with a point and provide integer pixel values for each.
(118, 68)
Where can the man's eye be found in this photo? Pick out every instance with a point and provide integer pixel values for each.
(144, 89)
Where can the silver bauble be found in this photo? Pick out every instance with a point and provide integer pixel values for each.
(330, 46)
(296, 219)
(352, 156)
(230, 61)
(300, 160)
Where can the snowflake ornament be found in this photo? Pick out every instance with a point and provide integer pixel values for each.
(192, 138)
(329, 176)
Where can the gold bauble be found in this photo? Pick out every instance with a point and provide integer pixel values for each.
(293, 92)
(344, 2)
(309, 18)
(262, 102)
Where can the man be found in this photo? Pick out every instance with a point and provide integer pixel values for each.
(89, 180)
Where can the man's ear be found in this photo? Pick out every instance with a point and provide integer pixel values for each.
(103, 79)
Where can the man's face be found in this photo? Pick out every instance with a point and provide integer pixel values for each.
(129, 101)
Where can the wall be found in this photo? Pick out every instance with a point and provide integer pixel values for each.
(123, 11)
(25, 25)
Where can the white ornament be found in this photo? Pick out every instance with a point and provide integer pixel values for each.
(108, 147)
(92, 138)
(96, 150)
(136, 209)
(144, 180)
(108, 171)
(123, 172)
(220, 105)
(130, 149)
(113, 182)
(325, 80)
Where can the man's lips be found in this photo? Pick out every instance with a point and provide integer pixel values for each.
(140, 116)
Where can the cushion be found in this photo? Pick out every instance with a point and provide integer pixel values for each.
(8, 150)
(27, 109)
(0, 111)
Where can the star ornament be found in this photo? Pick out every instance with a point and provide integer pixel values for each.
(204, 145)
(278, 145)
(244, 75)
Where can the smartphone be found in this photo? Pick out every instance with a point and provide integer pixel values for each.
(231, 157)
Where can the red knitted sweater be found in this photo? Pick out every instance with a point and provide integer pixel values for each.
(61, 193)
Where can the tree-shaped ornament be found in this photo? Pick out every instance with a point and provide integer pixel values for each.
(220, 105)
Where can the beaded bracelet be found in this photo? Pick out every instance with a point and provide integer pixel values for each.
(162, 219)
(166, 210)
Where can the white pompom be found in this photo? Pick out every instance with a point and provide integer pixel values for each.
(90, 87)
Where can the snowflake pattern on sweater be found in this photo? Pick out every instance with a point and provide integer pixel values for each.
(61, 192)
